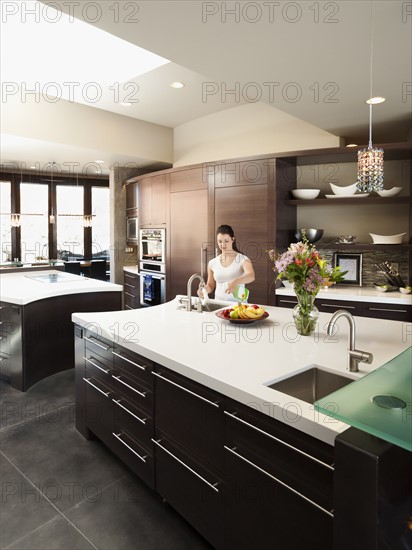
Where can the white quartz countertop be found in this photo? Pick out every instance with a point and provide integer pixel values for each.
(239, 361)
(30, 286)
(131, 269)
(356, 294)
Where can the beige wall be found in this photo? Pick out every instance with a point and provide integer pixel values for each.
(252, 129)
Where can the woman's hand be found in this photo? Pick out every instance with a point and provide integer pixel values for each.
(231, 285)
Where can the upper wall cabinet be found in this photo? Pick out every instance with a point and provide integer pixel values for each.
(131, 199)
(152, 200)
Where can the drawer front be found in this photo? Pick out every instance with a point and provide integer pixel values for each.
(98, 408)
(137, 392)
(303, 464)
(98, 346)
(193, 490)
(133, 364)
(133, 419)
(98, 366)
(131, 279)
(330, 306)
(131, 301)
(191, 415)
(138, 458)
(286, 301)
(388, 311)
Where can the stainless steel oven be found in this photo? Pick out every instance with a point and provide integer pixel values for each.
(152, 266)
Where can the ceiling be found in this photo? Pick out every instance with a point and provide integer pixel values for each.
(309, 59)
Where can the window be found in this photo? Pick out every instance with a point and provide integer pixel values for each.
(101, 222)
(5, 227)
(70, 230)
(34, 225)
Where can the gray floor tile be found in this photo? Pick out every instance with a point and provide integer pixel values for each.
(57, 534)
(22, 508)
(128, 515)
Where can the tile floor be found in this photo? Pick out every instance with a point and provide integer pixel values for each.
(61, 491)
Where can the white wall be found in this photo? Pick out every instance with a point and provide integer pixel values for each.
(252, 129)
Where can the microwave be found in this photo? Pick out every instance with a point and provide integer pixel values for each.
(132, 229)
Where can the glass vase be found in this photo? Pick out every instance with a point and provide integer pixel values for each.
(305, 313)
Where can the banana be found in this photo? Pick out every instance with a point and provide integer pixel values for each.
(243, 313)
(251, 313)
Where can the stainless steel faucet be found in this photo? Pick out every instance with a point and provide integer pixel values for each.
(355, 356)
(189, 292)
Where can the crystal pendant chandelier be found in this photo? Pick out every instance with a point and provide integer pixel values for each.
(370, 160)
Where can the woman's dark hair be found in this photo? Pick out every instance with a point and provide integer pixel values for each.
(227, 230)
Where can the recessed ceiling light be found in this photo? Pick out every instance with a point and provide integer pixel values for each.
(176, 85)
(352, 145)
(125, 104)
(99, 161)
(375, 100)
(32, 168)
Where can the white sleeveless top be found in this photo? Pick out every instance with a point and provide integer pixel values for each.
(223, 275)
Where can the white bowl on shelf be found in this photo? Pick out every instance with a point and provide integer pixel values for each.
(346, 191)
(405, 290)
(387, 239)
(389, 192)
(305, 194)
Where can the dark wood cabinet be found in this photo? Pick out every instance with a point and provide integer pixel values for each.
(395, 312)
(131, 200)
(279, 485)
(152, 199)
(189, 456)
(131, 290)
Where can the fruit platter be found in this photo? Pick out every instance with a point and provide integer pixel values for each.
(243, 313)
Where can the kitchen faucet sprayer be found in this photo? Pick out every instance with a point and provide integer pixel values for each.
(355, 356)
(189, 292)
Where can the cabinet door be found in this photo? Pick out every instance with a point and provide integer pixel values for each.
(245, 208)
(158, 201)
(145, 201)
(388, 311)
(188, 236)
(131, 199)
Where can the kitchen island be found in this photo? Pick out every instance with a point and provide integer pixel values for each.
(184, 398)
(35, 316)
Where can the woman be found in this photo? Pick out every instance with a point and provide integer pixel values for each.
(229, 269)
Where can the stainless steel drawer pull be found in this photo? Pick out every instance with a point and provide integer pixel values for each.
(387, 309)
(131, 295)
(131, 286)
(118, 402)
(117, 436)
(143, 367)
(211, 485)
(338, 305)
(280, 441)
(141, 393)
(106, 394)
(233, 451)
(288, 301)
(97, 343)
(96, 365)
(186, 390)
(127, 307)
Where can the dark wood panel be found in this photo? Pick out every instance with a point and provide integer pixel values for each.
(188, 233)
(188, 180)
(245, 172)
(245, 208)
(131, 198)
(159, 201)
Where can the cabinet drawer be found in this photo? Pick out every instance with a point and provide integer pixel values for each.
(292, 457)
(98, 408)
(130, 301)
(133, 419)
(131, 363)
(191, 415)
(128, 449)
(134, 389)
(98, 346)
(193, 490)
(388, 311)
(98, 366)
(330, 306)
(286, 301)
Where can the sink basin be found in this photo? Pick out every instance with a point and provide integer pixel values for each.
(210, 306)
(312, 384)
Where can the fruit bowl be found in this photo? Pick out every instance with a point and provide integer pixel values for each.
(242, 314)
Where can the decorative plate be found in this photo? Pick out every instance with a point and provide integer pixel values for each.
(240, 321)
(358, 196)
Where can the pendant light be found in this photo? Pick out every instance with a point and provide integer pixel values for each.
(52, 217)
(370, 160)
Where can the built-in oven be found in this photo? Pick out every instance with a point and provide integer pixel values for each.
(132, 229)
(152, 266)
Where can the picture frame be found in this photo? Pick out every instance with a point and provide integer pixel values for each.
(352, 263)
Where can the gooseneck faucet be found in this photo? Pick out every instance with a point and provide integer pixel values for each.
(189, 292)
(355, 356)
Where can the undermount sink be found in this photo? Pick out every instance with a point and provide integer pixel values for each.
(311, 384)
(210, 306)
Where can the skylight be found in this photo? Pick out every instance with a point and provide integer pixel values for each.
(51, 53)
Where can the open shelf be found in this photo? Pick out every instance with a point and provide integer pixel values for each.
(349, 200)
(361, 246)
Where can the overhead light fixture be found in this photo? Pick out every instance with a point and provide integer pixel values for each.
(52, 217)
(125, 104)
(352, 145)
(177, 85)
(370, 160)
(15, 220)
(375, 100)
(99, 161)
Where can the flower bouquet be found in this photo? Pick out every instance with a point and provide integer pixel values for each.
(304, 267)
